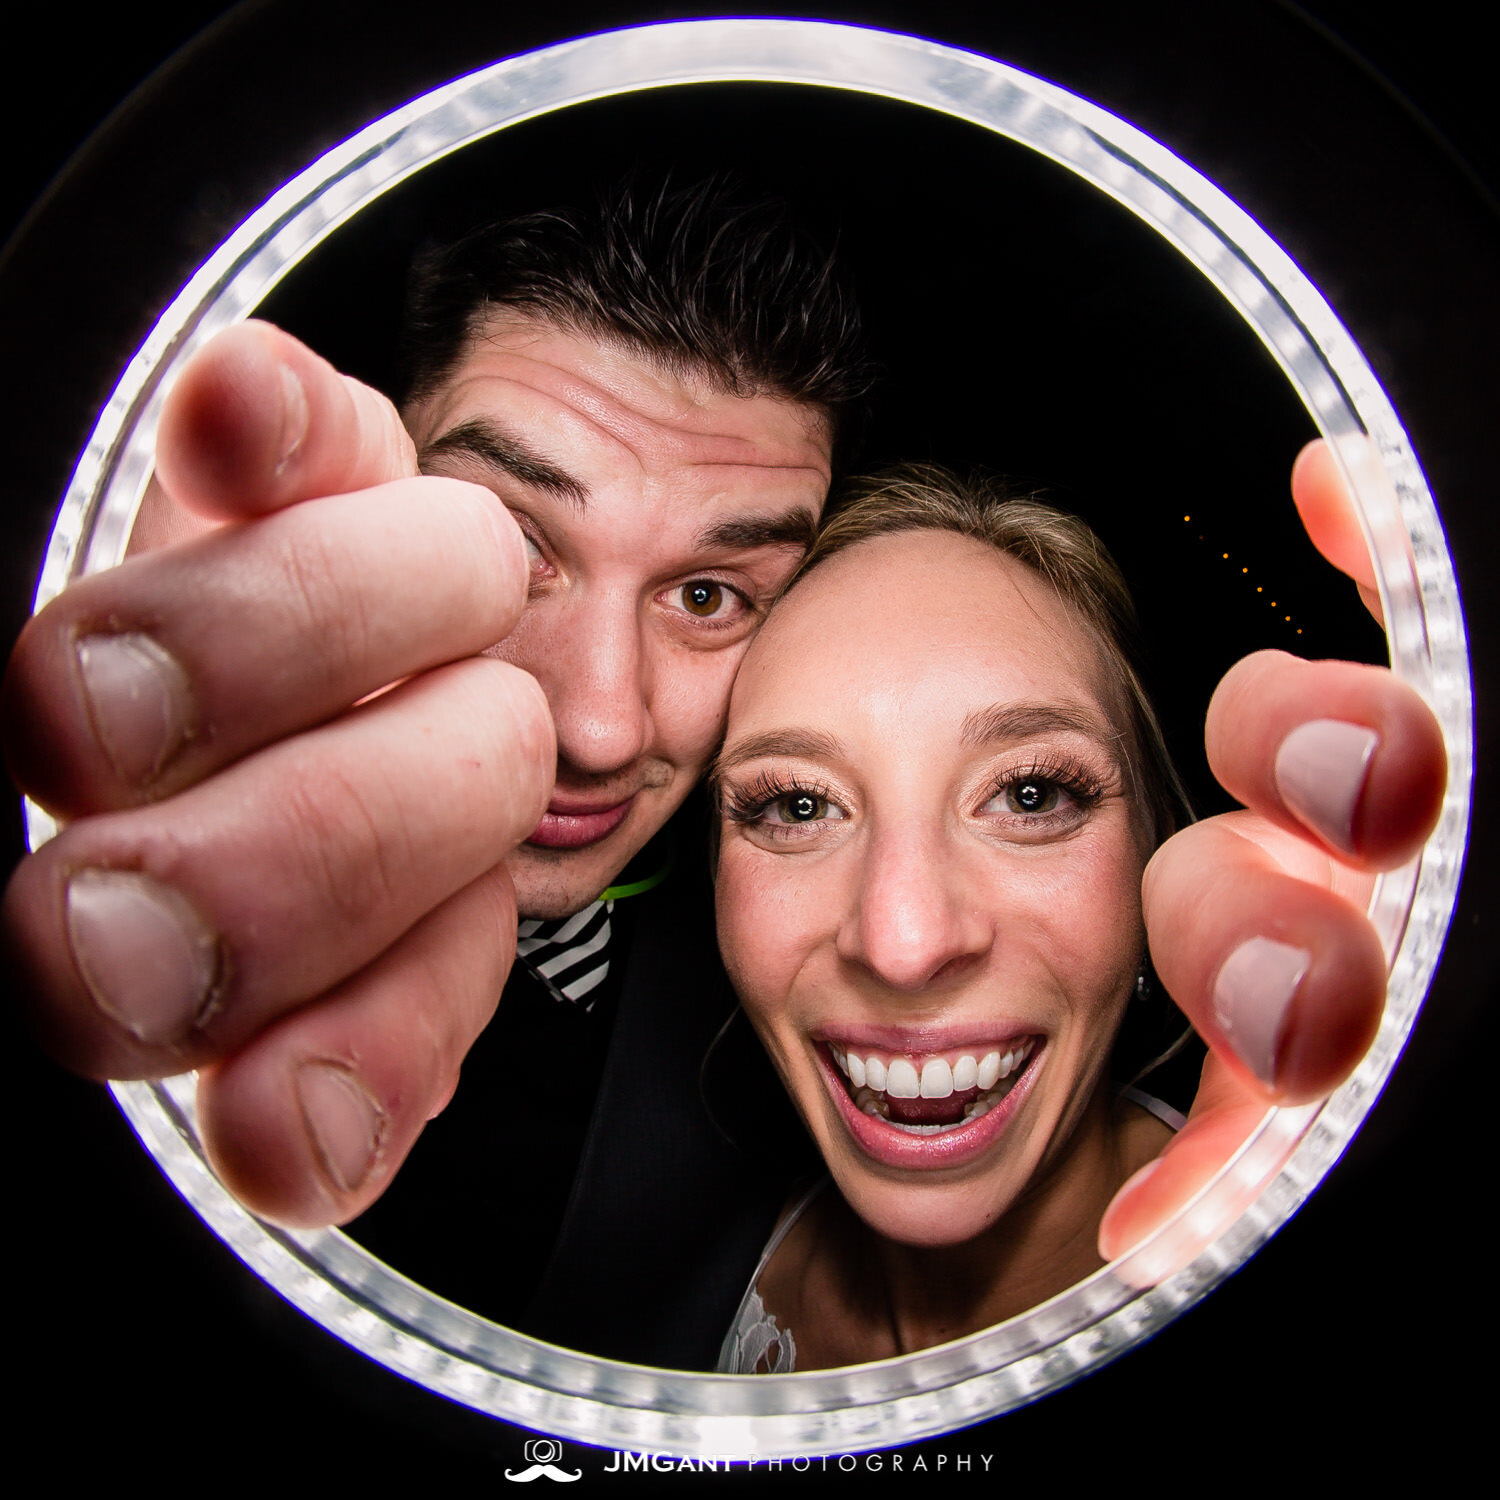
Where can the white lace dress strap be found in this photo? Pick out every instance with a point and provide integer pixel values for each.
(755, 1330)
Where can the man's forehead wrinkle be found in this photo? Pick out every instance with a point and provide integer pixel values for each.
(576, 411)
(791, 464)
(610, 391)
(656, 415)
(672, 390)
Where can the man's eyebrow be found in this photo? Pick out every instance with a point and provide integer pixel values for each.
(811, 744)
(793, 528)
(1025, 720)
(480, 439)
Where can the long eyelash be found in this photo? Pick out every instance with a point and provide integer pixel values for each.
(1075, 778)
(757, 609)
(746, 804)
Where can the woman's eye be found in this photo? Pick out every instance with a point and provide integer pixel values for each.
(1032, 796)
(1029, 796)
(706, 599)
(779, 816)
(533, 553)
(803, 807)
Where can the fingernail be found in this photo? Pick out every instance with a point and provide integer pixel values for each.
(1251, 996)
(293, 416)
(345, 1123)
(147, 958)
(1320, 773)
(139, 701)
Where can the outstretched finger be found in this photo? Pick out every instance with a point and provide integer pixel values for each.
(257, 421)
(161, 939)
(145, 679)
(1223, 1115)
(1283, 977)
(308, 1124)
(1345, 752)
(1327, 509)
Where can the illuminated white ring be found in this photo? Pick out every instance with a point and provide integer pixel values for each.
(557, 1391)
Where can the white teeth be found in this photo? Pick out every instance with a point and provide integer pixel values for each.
(901, 1081)
(1014, 1058)
(937, 1079)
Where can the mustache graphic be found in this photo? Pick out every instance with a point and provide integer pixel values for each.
(543, 1471)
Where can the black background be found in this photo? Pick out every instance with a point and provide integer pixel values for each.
(1360, 136)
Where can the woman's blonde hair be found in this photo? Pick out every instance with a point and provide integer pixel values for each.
(1059, 548)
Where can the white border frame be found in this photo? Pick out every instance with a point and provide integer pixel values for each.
(571, 1395)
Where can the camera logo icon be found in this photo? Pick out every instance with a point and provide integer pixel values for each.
(542, 1454)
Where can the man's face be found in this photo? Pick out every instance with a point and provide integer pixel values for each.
(662, 517)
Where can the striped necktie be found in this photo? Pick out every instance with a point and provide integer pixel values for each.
(569, 956)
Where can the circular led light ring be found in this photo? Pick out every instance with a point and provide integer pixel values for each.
(571, 1395)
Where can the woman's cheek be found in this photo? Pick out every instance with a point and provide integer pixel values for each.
(1113, 886)
(773, 915)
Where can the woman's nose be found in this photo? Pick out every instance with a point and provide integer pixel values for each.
(917, 921)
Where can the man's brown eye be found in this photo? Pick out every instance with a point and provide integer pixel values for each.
(703, 598)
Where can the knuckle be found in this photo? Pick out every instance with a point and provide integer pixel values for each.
(326, 599)
(349, 847)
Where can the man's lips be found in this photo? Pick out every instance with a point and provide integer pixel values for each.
(575, 825)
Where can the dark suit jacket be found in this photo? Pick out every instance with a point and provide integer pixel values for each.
(627, 1225)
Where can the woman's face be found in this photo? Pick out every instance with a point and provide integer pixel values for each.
(929, 879)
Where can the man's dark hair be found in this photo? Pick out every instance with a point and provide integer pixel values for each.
(695, 279)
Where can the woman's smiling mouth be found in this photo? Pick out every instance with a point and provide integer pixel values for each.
(929, 1109)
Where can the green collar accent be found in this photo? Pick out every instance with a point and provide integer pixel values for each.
(640, 887)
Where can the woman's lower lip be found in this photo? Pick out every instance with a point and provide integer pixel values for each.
(577, 830)
(892, 1147)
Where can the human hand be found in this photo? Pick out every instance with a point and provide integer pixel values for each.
(266, 873)
(1256, 919)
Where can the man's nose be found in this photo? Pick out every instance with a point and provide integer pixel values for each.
(596, 680)
(917, 919)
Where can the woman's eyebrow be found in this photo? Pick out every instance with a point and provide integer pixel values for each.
(1004, 722)
(812, 744)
